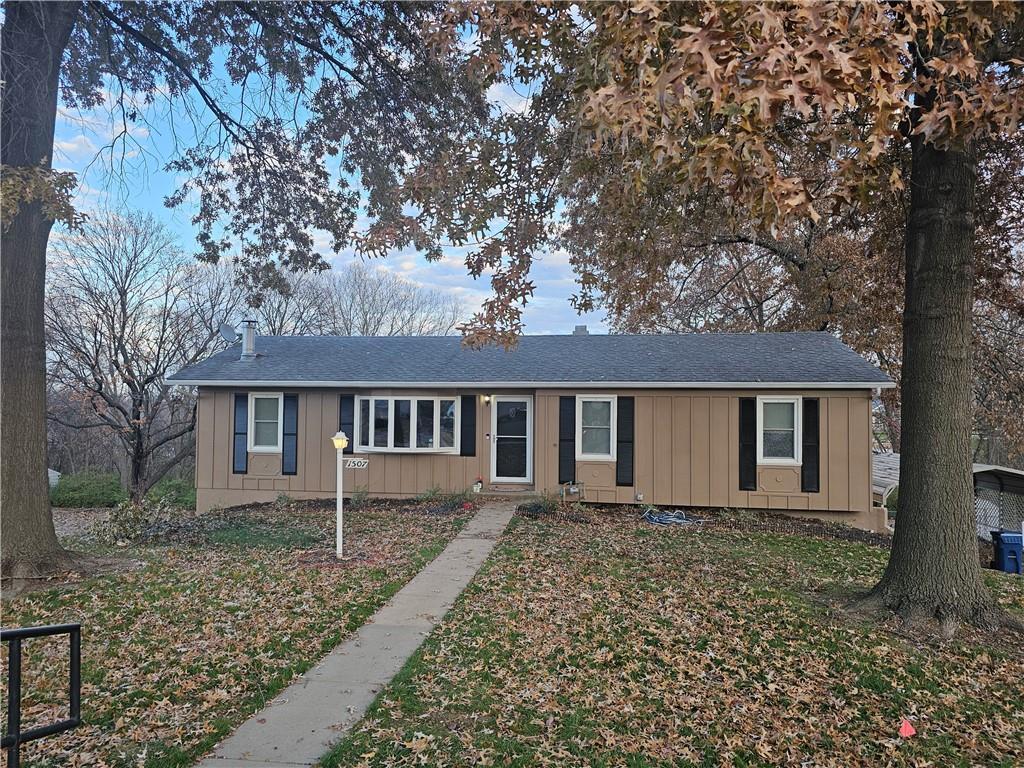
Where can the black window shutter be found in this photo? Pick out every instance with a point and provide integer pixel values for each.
(810, 480)
(290, 435)
(240, 446)
(467, 431)
(748, 443)
(347, 420)
(624, 442)
(566, 439)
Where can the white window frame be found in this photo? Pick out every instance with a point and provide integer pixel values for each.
(775, 461)
(414, 400)
(614, 401)
(253, 448)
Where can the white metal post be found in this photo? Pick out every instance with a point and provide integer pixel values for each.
(340, 538)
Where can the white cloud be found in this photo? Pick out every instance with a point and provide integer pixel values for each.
(559, 256)
(507, 98)
(74, 147)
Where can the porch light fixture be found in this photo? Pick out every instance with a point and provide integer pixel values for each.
(340, 441)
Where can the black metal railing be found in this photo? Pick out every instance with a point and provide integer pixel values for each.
(15, 737)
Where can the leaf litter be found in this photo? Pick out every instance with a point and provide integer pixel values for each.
(615, 642)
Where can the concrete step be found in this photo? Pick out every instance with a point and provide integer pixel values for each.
(497, 491)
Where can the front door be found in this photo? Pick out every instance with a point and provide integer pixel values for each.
(512, 439)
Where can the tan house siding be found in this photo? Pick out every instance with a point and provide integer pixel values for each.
(685, 453)
(388, 475)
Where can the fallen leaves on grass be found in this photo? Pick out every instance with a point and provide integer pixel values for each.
(615, 643)
(177, 654)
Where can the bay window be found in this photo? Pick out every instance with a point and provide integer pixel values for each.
(424, 423)
(778, 430)
(446, 431)
(407, 423)
(403, 423)
(381, 410)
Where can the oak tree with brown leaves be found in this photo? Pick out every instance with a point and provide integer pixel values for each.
(294, 111)
(752, 100)
(842, 274)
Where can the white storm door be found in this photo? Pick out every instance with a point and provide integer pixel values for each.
(512, 439)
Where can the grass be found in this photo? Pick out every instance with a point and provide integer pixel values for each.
(254, 535)
(178, 652)
(179, 492)
(617, 643)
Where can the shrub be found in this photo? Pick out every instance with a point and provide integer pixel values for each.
(129, 520)
(177, 491)
(447, 502)
(892, 501)
(548, 502)
(359, 497)
(464, 499)
(88, 489)
(431, 494)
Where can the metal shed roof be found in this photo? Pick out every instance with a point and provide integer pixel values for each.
(885, 474)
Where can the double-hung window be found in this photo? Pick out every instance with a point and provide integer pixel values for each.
(595, 427)
(412, 423)
(266, 411)
(778, 430)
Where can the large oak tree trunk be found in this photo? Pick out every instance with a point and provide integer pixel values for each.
(34, 38)
(933, 569)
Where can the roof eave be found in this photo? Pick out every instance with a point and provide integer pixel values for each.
(184, 382)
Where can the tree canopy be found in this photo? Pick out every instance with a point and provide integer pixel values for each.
(295, 114)
(297, 118)
(779, 126)
(783, 111)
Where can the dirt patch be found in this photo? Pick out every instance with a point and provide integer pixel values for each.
(83, 566)
(77, 523)
(774, 522)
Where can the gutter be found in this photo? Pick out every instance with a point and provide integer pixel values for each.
(309, 384)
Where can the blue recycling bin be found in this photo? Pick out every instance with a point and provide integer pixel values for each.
(1009, 553)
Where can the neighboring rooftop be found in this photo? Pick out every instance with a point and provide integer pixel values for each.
(660, 360)
(885, 475)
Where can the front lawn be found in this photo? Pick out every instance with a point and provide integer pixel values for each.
(618, 643)
(224, 610)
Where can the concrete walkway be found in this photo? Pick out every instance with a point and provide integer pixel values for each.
(299, 726)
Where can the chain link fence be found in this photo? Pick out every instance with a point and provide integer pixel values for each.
(997, 510)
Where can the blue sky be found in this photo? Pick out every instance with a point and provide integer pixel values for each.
(83, 142)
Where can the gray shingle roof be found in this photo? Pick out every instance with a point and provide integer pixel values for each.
(659, 360)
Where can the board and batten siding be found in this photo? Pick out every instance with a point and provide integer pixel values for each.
(388, 474)
(686, 452)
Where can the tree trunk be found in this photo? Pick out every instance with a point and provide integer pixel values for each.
(33, 40)
(933, 570)
(137, 470)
